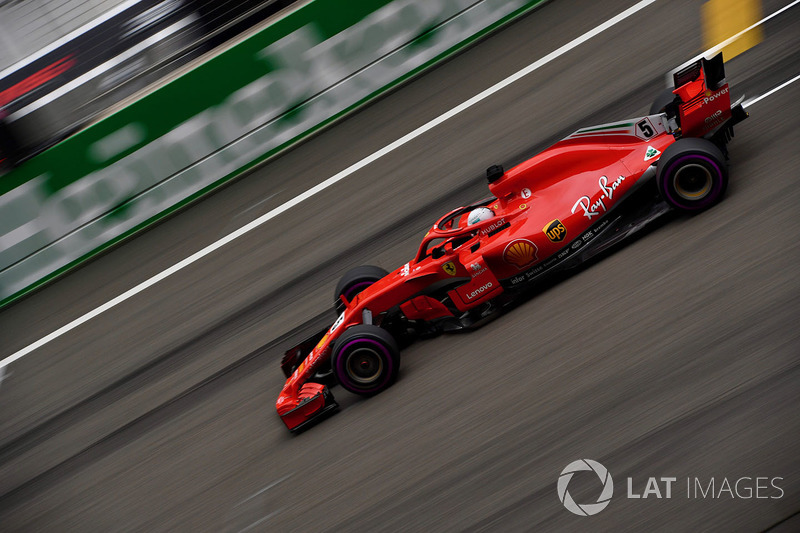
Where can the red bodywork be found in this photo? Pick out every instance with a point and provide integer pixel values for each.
(541, 207)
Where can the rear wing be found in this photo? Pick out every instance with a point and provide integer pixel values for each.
(702, 104)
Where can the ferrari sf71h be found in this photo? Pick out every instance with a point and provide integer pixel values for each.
(550, 213)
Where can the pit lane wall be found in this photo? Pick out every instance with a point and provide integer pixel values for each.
(239, 108)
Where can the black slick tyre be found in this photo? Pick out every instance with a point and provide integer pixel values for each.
(692, 175)
(365, 360)
(354, 281)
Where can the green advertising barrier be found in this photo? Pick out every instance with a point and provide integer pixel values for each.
(234, 111)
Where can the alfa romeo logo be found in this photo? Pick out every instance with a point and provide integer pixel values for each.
(587, 509)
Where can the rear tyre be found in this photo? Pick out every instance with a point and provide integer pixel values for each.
(354, 281)
(365, 360)
(661, 101)
(692, 175)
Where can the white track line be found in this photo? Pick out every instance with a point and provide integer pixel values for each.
(714, 49)
(265, 489)
(261, 520)
(748, 103)
(340, 176)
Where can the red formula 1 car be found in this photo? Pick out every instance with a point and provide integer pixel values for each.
(548, 214)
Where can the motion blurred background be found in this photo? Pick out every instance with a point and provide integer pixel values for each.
(677, 356)
(65, 62)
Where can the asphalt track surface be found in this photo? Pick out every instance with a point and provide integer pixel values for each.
(675, 356)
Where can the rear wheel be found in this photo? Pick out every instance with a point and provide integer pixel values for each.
(661, 101)
(692, 175)
(354, 281)
(365, 360)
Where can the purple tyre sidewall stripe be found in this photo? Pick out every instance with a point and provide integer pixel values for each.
(341, 367)
(716, 187)
(354, 289)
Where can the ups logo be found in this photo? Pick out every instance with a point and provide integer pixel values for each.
(555, 231)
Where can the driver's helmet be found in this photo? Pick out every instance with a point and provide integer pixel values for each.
(479, 214)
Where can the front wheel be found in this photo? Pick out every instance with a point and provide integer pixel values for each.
(692, 175)
(354, 281)
(365, 360)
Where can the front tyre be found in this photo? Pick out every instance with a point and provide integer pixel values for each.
(692, 175)
(365, 360)
(353, 282)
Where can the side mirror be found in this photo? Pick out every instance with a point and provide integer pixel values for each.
(494, 173)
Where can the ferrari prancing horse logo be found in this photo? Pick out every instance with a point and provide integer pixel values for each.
(449, 268)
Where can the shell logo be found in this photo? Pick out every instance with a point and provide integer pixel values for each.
(520, 253)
